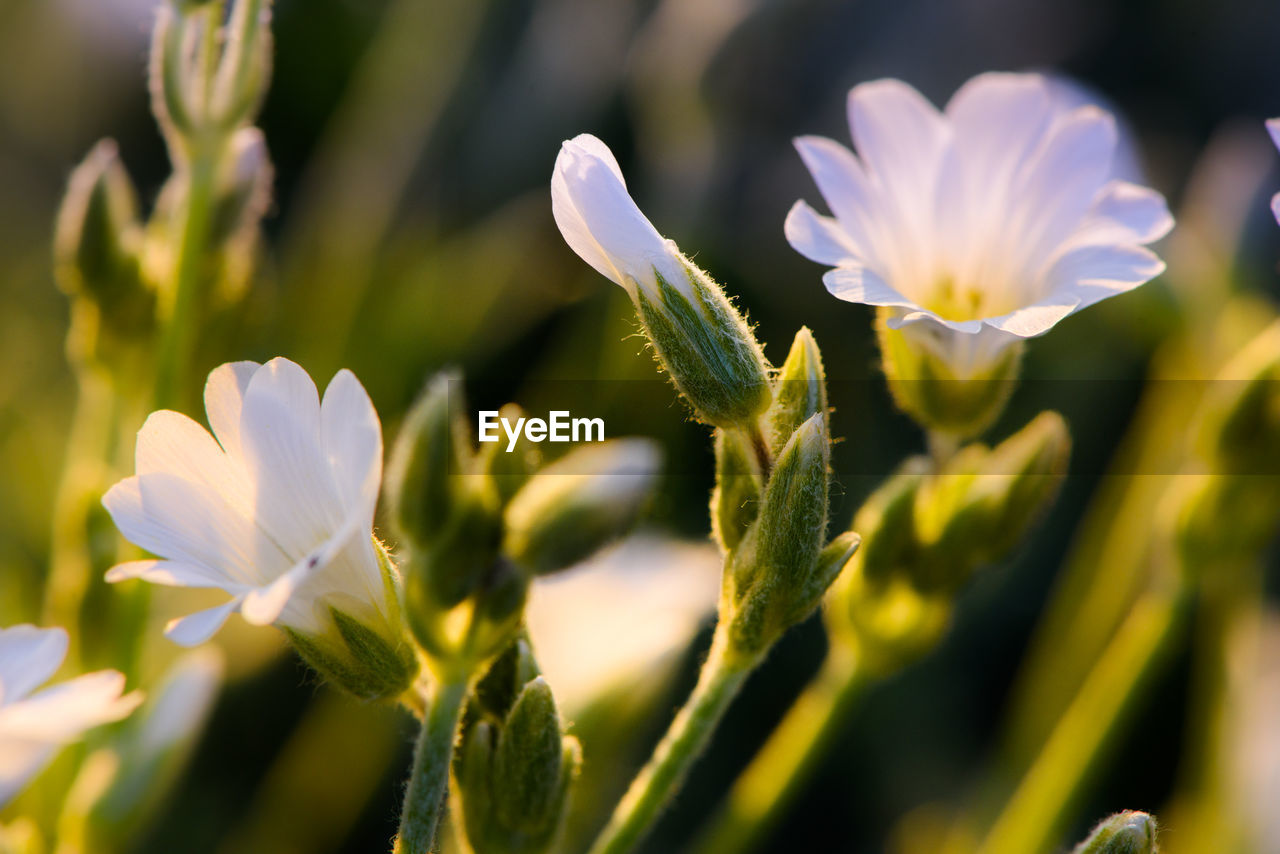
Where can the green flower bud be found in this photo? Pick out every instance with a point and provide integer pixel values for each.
(580, 503)
(1123, 833)
(514, 767)
(97, 239)
(357, 657)
(956, 400)
(800, 390)
(887, 521)
(983, 502)
(776, 579)
(509, 471)
(735, 500)
(888, 621)
(707, 348)
(422, 484)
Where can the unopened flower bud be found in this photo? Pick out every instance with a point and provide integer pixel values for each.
(699, 337)
(580, 503)
(422, 482)
(955, 394)
(887, 522)
(357, 658)
(735, 501)
(244, 191)
(509, 469)
(776, 579)
(514, 771)
(97, 238)
(800, 390)
(1123, 833)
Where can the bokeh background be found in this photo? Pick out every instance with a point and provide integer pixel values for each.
(411, 229)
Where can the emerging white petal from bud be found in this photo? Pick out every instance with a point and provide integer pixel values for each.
(34, 725)
(980, 225)
(277, 510)
(601, 222)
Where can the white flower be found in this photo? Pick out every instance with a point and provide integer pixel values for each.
(601, 222)
(980, 225)
(1273, 127)
(34, 726)
(278, 511)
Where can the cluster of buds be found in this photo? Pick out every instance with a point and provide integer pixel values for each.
(208, 78)
(479, 526)
(773, 443)
(769, 507)
(514, 767)
(928, 530)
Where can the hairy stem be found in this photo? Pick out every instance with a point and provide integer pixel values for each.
(429, 779)
(722, 676)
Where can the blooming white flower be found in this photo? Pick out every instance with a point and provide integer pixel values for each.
(980, 225)
(1273, 128)
(278, 511)
(34, 725)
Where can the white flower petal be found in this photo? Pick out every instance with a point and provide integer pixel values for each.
(858, 284)
(900, 137)
(846, 189)
(351, 436)
(188, 522)
(1059, 184)
(1033, 320)
(1130, 213)
(1273, 128)
(817, 237)
(1092, 273)
(224, 399)
(29, 656)
(601, 222)
(295, 498)
(197, 628)
(172, 573)
(171, 442)
(65, 711)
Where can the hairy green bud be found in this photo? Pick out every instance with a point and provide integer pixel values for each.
(707, 349)
(943, 397)
(580, 503)
(735, 501)
(423, 485)
(515, 766)
(800, 390)
(1123, 833)
(776, 578)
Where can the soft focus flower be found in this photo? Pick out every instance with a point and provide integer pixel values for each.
(980, 225)
(278, 511)
(1273, 127)
(700, 338)
(34, 726)
(647, 596)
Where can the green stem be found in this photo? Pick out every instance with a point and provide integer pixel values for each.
(430, 777)
(780, 771)
(1034, 817)
(722, 676)
(176, 334)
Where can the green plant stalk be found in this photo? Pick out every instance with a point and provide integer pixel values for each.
(177, 326)
(722, 676)
(779, 772)
(429, 779)
(1034, 817)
